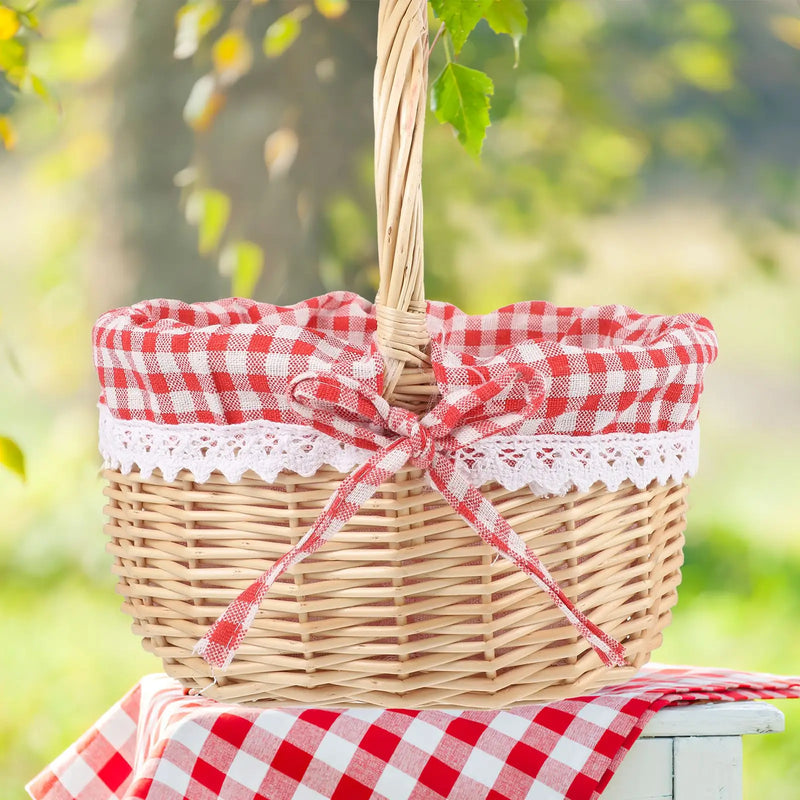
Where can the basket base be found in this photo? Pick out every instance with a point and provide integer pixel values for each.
(414, 698)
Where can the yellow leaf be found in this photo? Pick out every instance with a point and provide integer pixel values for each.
(787, 29)
(203, 104)
(232, 55)
(332, 9)
(280, 151)
(11, 456)
(8, 136)
(9, 22)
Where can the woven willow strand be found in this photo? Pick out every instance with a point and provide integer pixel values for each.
(400, 99)
(406, 607)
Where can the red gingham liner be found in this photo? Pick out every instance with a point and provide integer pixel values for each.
(157, 743)
(606, 369)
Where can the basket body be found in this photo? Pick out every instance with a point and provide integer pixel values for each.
(230, 430)
(406, 607)
(557, 438)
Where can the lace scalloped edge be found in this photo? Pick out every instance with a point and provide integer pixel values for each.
(548, 464)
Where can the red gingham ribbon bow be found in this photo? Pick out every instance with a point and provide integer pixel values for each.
(343, 408)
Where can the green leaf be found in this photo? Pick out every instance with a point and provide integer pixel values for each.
(209, 210)
(33, 84)
(703, 64)
(11, 456)
(708, 19)
(30, 20)
(13, 55)
(243, 261)
(460, 17)
(282, 33)
(460, 96)
(509, 16)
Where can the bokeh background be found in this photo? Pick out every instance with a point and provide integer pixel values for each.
(641, 153)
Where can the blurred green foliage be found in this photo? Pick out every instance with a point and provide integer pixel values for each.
(640, 153)
(19, 24)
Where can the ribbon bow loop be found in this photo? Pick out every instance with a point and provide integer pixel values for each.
(471, 414)
(340, 406)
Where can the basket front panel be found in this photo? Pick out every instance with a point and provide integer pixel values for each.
(406, 606)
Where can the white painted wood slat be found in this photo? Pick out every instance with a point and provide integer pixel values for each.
(707, 768)
(716, 719)
(645, 774)
(692, 753)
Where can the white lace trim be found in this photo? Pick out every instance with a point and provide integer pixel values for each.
(548, 464)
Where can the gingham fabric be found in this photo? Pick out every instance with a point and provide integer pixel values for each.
(339, 406)
(157, 743)
(605, 369)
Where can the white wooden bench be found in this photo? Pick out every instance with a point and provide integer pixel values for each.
(692, 753)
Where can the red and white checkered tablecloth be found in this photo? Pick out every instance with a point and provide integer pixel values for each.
(158, 743)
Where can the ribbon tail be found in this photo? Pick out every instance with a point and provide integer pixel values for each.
(487, 522)
(220, 643)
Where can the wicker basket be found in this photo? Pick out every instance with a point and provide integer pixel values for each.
(406, 607)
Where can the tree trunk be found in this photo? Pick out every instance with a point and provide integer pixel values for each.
(328, 105)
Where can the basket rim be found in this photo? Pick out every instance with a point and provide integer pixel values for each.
(351, 318)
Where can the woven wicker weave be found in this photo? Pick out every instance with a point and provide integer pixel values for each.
(406, 607)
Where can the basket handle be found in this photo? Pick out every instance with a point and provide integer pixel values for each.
(400, 99)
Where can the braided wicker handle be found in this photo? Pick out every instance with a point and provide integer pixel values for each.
(400, 99)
